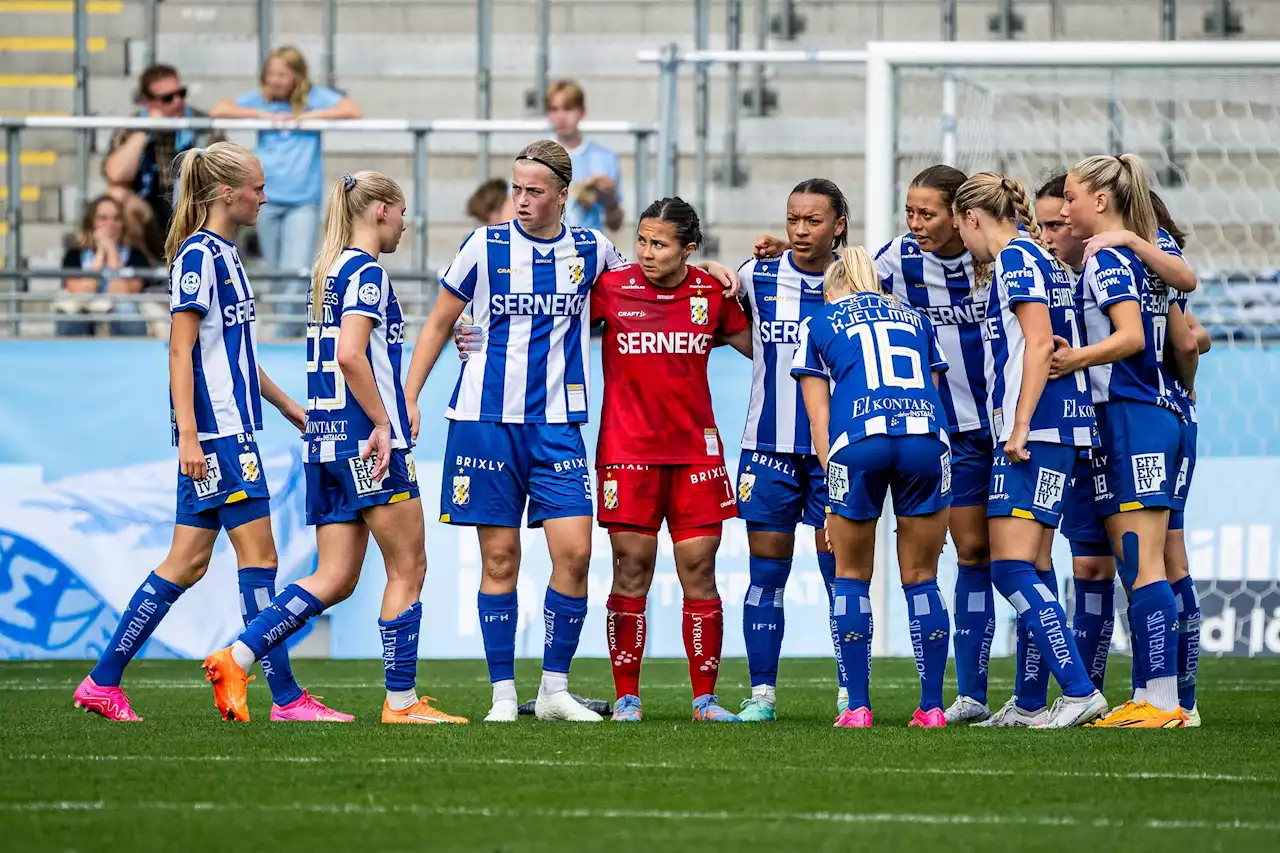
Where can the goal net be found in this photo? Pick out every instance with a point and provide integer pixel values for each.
(1210, 137)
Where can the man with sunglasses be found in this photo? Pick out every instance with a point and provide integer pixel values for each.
(143, 160)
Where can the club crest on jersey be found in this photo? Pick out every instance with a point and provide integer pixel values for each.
(610, 494)
(699, 310)
(370, 294)
(746, 485)
(250, 469)
(190, 282)
(461, 490)
(577, 270)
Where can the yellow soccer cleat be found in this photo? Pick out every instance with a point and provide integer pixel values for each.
(420, 713)
(1141, 715)
(230, 685)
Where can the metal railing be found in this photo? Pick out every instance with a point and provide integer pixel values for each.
(419, 131)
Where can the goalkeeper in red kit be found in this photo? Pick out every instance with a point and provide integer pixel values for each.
(659, 456)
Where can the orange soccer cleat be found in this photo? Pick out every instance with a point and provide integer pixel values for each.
(230, 685)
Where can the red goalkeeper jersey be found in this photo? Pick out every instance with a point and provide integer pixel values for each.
(657, 401)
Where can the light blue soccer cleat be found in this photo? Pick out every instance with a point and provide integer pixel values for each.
(706, 708)
(757, 710)
(627, 709)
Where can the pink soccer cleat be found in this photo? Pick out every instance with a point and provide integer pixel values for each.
(854, 718)
(934, 718)
(307, 709)
(108, 702)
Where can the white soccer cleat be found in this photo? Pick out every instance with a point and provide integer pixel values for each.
(1010, 716)
(562, 706)
(1193, 717)
(966, 710)
(1069, 712)
(503, 711)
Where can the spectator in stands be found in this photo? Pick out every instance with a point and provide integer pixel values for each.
(292, 163)
(491, 203)
(595, 201)
(142, 160)
(100, 246)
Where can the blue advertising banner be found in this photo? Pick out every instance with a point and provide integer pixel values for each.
(87, 481)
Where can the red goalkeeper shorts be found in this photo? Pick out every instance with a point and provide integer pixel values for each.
(688, 498)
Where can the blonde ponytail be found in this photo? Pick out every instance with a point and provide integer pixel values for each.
(1003, 199)
(1124, 179)
(202, 173)
(351, 196)
(852, 272)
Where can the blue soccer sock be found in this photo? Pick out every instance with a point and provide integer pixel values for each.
(257, 588)
(148, 606)
(563, 616)
(1018, 581)
(763, 618)
(1093, 623)
(1032, 683)
(1153, 616)
(1184, 590)
(280, 620)
(975, 615)
(851, 617)
(498, 618)
(827, 568)
(1137, 675)
(400, 650)
(930, 636)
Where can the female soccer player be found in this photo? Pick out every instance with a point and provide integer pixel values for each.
(1126, 316)
(659, 456)
(360, 472)
(1092, 562)
(1038, 426)
(216, 389)
(877, 425)
(930, 269)
(780, 482)
(516, 414)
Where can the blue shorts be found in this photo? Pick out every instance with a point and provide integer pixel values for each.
(916, 468)
(339, 491)
(970, 467)
(1140, 451)
(1033, 489)
(1186, 469)
(233, 491)
(1081, 524)
(491, 470)
(776, 491)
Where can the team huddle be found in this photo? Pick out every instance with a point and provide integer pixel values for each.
(1005, 367)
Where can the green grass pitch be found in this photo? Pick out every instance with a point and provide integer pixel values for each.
(185, 781)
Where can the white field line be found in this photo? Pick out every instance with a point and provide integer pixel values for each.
(1131, 776)
(932, 819)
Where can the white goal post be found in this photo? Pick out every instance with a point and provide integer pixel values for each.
(885, 61)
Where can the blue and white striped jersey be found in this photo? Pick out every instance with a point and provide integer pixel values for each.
(878, 354)
(337, 427)
(1116, 275)
(781, 296)
(206, 277)
(531, 298)
(1181, 396)
(941, 288)
(1025, 272)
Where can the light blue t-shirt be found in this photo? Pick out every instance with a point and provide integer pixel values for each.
(592, 158)
(291, 159)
